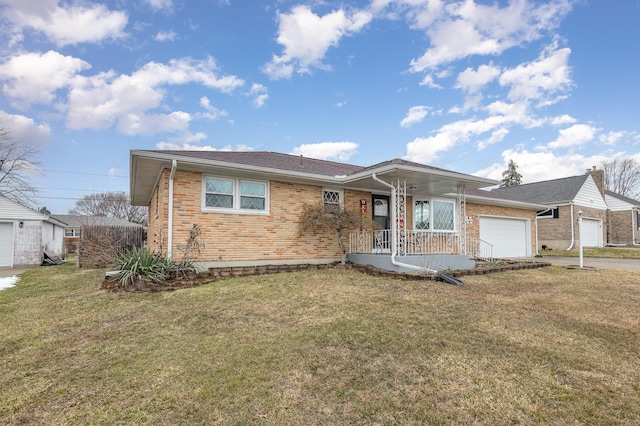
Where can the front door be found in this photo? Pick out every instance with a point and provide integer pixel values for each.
(381, 215)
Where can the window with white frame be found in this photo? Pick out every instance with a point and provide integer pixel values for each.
(332, 198)
(434, 215)
(234, 195)
(549, 213)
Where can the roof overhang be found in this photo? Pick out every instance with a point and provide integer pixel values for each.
(501, 202)
(146, 168)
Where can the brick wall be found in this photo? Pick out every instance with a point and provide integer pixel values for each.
(620, 227)
(241, 238)
(476, 210)
(556, 233)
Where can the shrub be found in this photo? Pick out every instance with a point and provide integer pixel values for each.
(137, 265)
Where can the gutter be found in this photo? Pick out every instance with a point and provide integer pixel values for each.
(174, 166)
(394, 230)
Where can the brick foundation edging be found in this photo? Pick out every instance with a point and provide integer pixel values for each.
(221, 273)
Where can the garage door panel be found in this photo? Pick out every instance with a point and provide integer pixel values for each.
(507, 236)
(591, 233)
(6, 245)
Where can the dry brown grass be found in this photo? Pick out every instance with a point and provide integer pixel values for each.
(546, 346)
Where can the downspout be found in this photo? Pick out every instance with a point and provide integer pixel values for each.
(394, 230)
(634, 226)
(174, 165)
(573, 233)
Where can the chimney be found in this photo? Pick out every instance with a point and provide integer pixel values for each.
(598, 178)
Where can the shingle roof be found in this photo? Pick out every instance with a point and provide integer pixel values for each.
(273, 160)
(546, 192)
(623, 198)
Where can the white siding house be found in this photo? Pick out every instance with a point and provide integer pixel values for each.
(26, 234)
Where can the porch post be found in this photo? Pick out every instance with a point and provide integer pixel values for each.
(462, 219)
(400, 224)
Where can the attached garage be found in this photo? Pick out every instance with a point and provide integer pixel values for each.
(510, 237)
(591, 233)
(6, 244)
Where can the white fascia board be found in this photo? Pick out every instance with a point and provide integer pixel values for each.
(505, 203)
(389, 168)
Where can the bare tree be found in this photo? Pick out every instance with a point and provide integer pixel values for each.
(511, 177)
(622, 177)
(110, 204)
(15, 159)
(316, 216)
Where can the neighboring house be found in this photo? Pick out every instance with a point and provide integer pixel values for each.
(623, 219)
(567, 199)
(247, 206)
(26, 234)
(74, 223)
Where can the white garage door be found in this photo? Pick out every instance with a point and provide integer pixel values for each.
(591, 233)
(508, 236)
(6, 245)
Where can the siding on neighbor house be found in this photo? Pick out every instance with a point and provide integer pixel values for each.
(229, 239)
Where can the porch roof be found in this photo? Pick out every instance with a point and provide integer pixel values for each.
(147, 166)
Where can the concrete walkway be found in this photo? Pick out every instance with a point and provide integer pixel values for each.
(595, 262)
(9, 272)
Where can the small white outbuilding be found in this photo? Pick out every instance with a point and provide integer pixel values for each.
(25, 235)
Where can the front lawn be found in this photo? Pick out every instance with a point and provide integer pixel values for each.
(541, 346)
(624, 252)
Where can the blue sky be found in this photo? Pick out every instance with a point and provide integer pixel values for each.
(464, 85)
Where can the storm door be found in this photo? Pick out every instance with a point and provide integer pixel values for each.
(382, 216)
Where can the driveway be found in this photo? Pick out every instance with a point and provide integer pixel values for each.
(9, 272)
(595, 262)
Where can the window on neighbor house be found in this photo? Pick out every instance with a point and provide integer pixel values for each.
(72, 232)
(435, 215)
(551, 213)
(638, 219)
(235, 195)
(332, 198)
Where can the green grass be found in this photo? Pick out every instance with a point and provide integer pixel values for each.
(547, 346)
(626, 252)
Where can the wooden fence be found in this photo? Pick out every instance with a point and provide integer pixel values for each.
(100, 244)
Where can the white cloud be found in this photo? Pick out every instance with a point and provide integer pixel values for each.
(149, 124)
(578, 134)
(612, 138)
(160, 4)
(165, 36)
(461, 29)
(429, 82)
(496, 136)
(24, 130)
(562, 120)
(540, 166)
(472, 81)
(32, 78)
(415, 115)
(102, 100)
(340, 151)
(212, 113)
(306, 38)
(65, 24)
(259, 94)
(539, 79)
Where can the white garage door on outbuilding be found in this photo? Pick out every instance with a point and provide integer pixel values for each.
(510, 237)
(591, 233)
(6, 244)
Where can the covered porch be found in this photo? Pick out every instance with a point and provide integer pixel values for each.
(426, 226)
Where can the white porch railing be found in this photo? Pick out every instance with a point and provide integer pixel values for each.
(420, 242)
